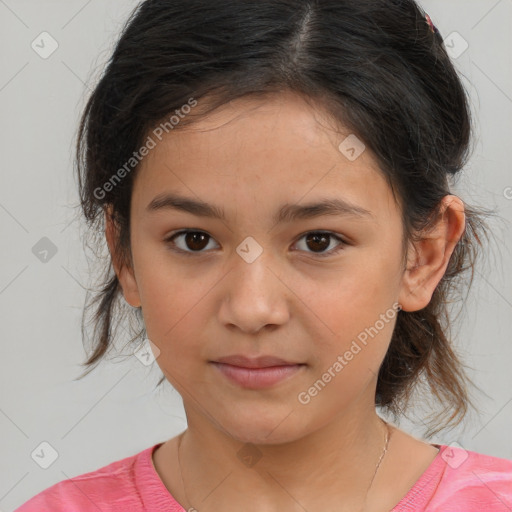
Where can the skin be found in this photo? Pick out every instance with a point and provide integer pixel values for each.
(250, 157)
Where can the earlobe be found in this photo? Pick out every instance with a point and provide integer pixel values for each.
(124, 274)
(428, 258)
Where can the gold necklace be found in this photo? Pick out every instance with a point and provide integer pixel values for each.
(388, 435)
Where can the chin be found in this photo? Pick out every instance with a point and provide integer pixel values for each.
(265, 430)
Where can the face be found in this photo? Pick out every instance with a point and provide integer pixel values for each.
(252, 285)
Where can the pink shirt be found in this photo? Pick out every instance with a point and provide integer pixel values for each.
(456, 481)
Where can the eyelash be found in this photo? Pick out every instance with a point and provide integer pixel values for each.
(172, 245)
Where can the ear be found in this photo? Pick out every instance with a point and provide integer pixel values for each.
(124, 273)
(428, 259)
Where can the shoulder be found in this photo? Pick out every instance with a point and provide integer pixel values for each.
(113, 484)
(473, 481)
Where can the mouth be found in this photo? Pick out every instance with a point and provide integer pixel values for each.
(254, 362)
(256, 373)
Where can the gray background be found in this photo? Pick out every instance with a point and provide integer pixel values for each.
(115, 412)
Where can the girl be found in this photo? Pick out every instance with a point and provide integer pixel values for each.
(273, 180)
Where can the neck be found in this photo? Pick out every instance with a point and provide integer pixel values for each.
(337, 462)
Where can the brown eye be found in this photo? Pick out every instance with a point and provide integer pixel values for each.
(193, 241)
(318, 241)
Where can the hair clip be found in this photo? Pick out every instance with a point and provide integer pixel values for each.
(430, 24)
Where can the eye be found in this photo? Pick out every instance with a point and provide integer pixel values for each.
(196, 241)
(193, 239)
(319, 240)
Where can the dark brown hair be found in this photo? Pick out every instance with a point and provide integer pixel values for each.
(374, 65)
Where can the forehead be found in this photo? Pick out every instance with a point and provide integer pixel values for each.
(281, 149)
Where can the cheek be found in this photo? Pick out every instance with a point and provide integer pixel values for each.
(352, 311)
(172, 300)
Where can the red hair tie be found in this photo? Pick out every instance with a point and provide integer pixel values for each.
(430, 24)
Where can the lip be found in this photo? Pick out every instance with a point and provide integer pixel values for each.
(254, 362)
(257, 378)
(256, 373)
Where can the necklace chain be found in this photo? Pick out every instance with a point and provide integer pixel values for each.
(388, 435)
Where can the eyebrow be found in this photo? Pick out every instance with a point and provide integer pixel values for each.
(287, 212)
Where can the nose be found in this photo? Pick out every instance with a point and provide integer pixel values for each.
(254, 295)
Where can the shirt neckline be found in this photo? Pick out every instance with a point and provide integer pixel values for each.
(420, 494)
(156, 497)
